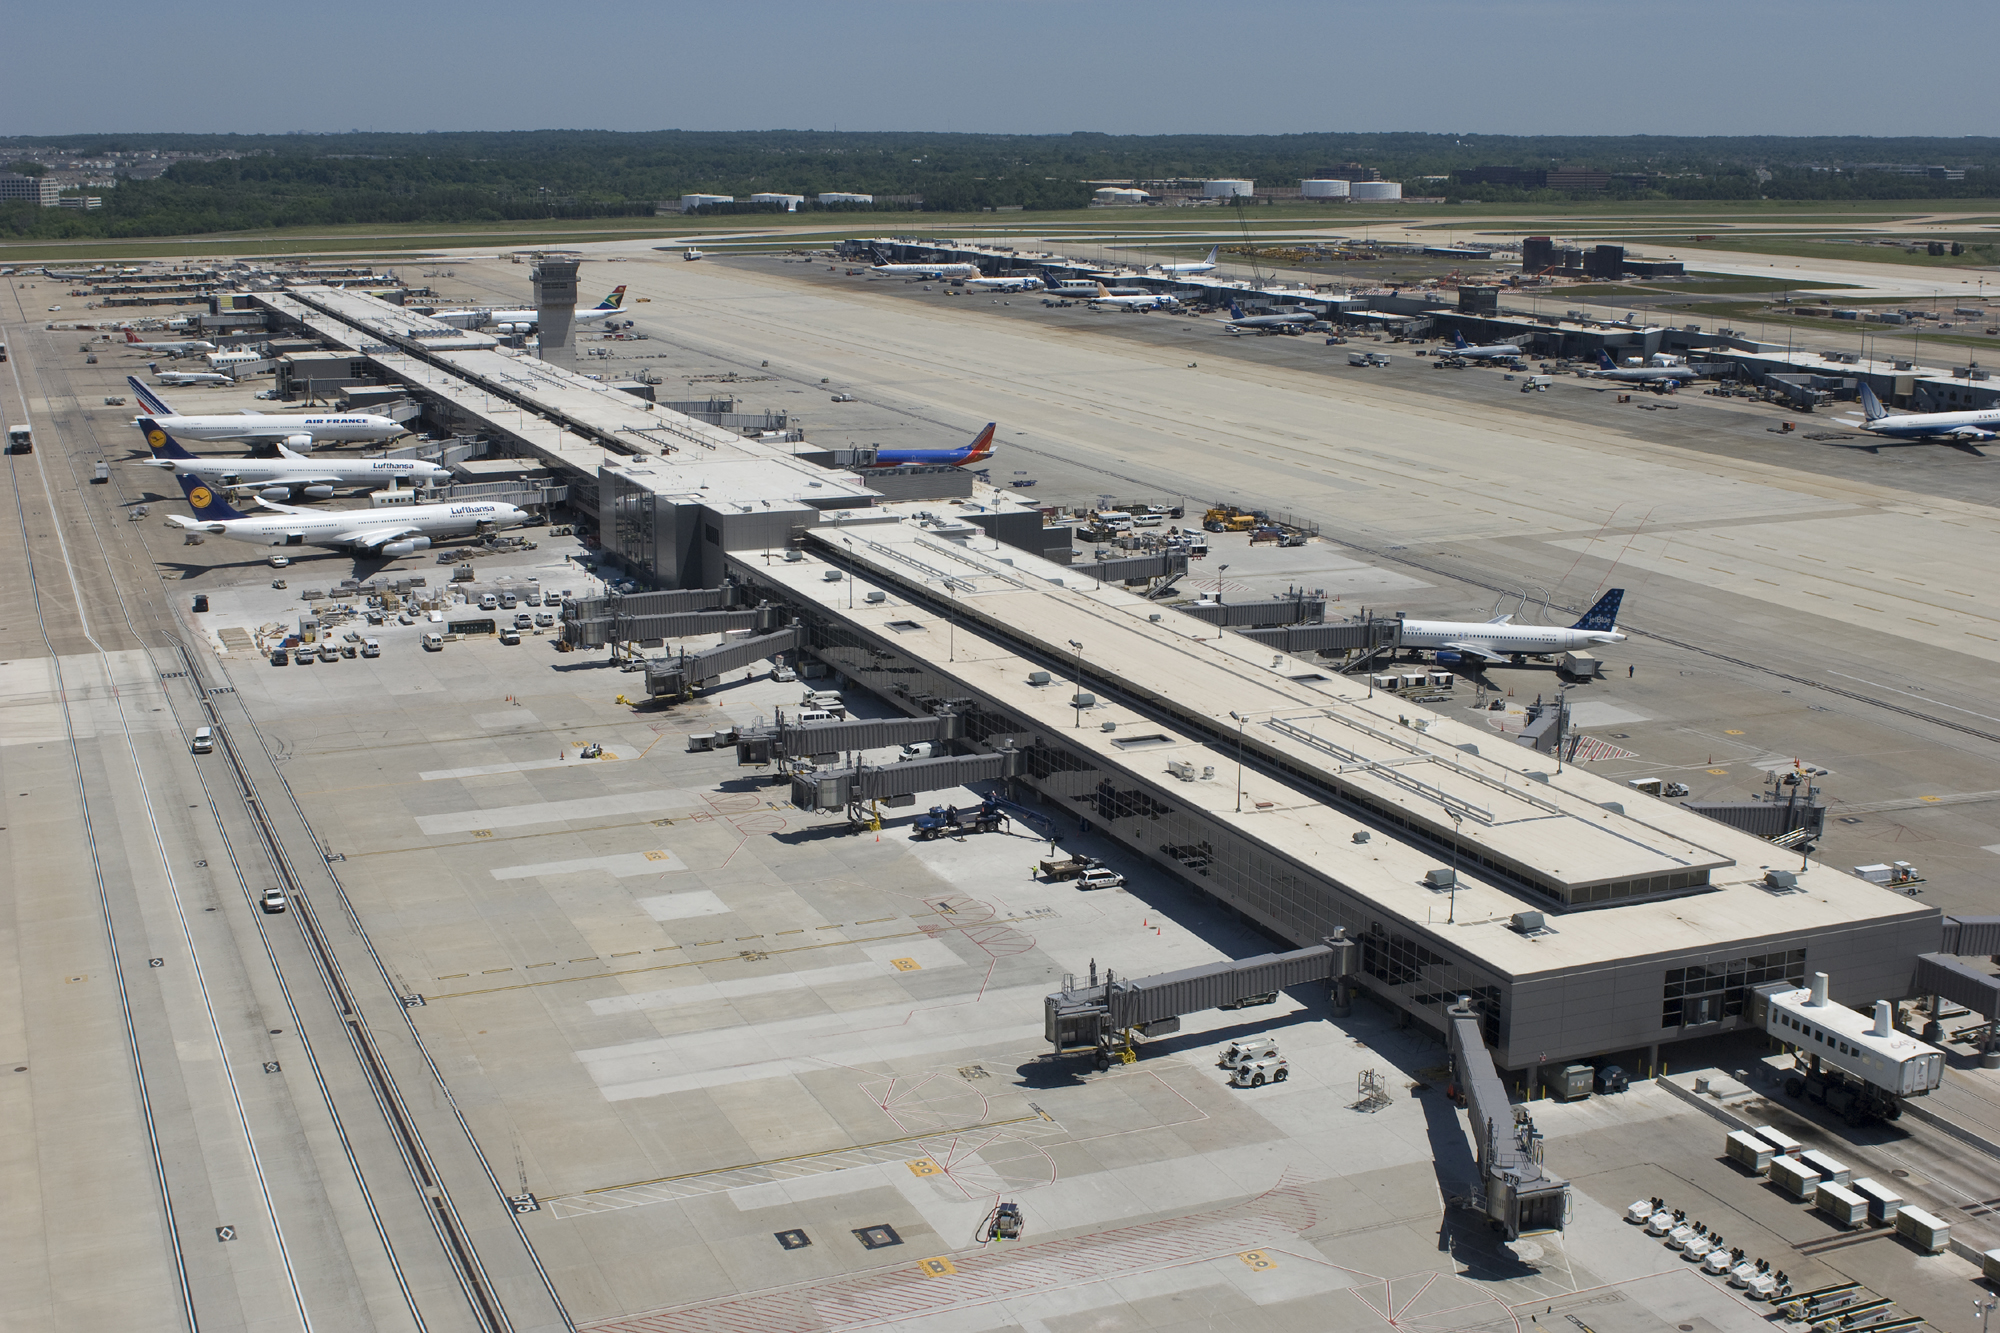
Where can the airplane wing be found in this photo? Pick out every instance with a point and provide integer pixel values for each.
(1476, 650)
(282, 509)
(373, 537)
(1501, 620)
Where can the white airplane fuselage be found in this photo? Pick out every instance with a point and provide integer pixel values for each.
(924, 271)
(1981, 425)
(365, 473)
(1501, 639)
(358, 528)
(323, 428)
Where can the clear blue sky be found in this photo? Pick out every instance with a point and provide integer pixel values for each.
(1022, 66)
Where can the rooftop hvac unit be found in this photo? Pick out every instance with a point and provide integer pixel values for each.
(877, 596)
(793, 557)
(1441, 878)
(1181, 769)
(1529, 922)
(1038, 677)
(1084, 701)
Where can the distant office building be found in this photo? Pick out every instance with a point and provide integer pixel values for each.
(41, 189)
(1347, 171)
(1605, 261)
(1526, 178)
(1578, 178)
(81, 201)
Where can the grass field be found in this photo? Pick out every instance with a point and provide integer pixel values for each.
(1609, 221)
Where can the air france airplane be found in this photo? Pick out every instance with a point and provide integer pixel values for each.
(306, 431)
(378, 532)
(1498, 640)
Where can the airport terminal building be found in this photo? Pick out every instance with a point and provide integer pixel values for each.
(1585, 919)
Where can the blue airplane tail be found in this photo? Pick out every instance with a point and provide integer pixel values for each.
(1603, 616)
(1604, 361)
(1458, 339)
(205, 502)
(615, 301)
(1235, 310)
(152, 403)
(162, 444)
(1871, 406)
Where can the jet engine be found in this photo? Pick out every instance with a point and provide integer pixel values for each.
(299, 444)
(319, 492)
(408, 546)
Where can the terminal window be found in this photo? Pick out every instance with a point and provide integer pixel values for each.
(1709, 994)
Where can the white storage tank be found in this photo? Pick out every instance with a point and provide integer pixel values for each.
(1228, 189)
(790, 201)
(690, 202)
(1323, 189)
(1376, 190)
(839, 197)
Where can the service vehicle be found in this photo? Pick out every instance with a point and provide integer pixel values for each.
(328, 653)
(204, 741)
(20, 440)
(1256, 1073)
(510, 636)
(279, 657)
(370, 648)
(273, 900)
(1241, 1052)
(1100, 877)
(1066, 869)
(433, 643)
(1858, 1069)
(523, 620)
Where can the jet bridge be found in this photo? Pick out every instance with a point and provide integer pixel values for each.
(1515, 1192)
(678, 676)
(807, 740)
(1097, 1016)
(849, 788)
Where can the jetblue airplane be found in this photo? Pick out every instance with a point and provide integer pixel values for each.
(1491, 352)
(978, 451)
(1964, 427)
(1497, 640)
(381, 532)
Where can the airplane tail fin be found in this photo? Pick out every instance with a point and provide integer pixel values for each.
(152, 403)
(1235, 310)
(1102, 291)
(1213, 250)
(205, 502)
(614, 301)
(981, 447)
(1603, 616)
(1604, 361)
(1458, 339)
(1871, 406)
(162, 444)
(131, 336)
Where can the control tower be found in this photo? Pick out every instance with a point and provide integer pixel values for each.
(555, 304)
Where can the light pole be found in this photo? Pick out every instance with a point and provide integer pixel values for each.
(850, 572)
(1218, 581)
(1451, 917)
(1077, 684)
(1240, 720)
(1983, 1312)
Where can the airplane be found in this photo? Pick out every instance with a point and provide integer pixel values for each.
(1491, 352)
(693, 254)
(1963, 427)
(613, 304)
(886, 270)
(1203, 266)
(1149, 301)
(1081, 288)
(288, 475)
(1611, 370)
(1497, 640)
(186, 347)
(978, 451)
(299, 432)
(1022, 284)
(388, 533)
(1238, 322)
(182, 379)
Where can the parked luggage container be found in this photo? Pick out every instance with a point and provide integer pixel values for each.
(1748, 1151)
(1843, 1205)
(1794, 1177)
(1927, 1233)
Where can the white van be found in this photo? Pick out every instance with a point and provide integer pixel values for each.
(204, 740)
(433, 643)
(814, 715)
(370, 648)
(490, 602)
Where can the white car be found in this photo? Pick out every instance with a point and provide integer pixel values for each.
(1100, 877)
(273, 900)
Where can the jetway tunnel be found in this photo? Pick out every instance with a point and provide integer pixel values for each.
(811, 740)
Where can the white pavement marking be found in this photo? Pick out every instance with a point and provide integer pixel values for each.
(524, 765)
(555, 812)
(744, 987)
(512, 717)
(792, 1046)
(625, 866)
(682, 906)
(1595, 713)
